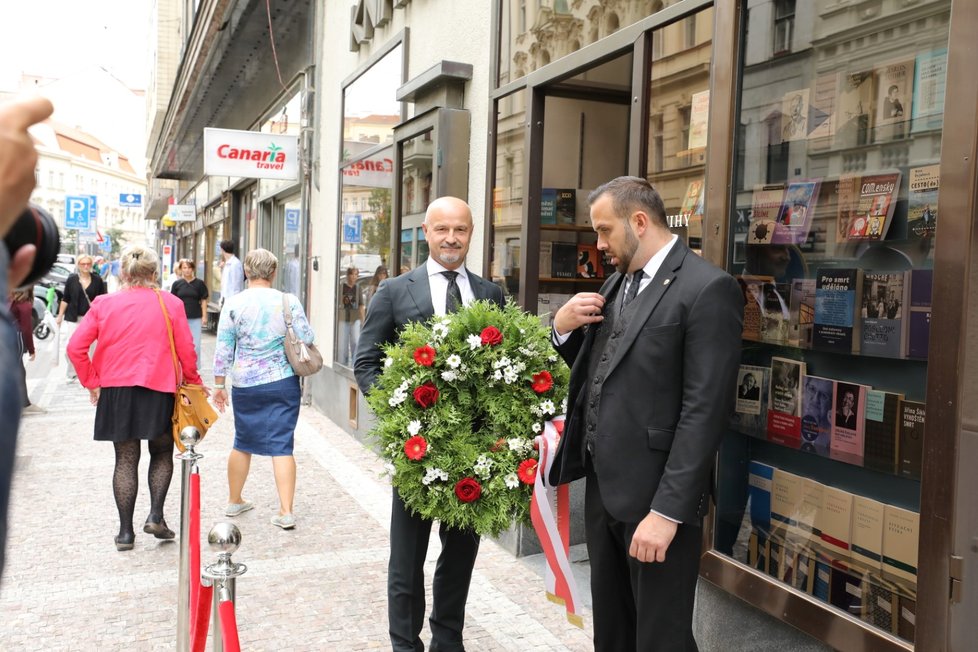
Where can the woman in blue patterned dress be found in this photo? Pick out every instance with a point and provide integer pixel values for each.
(251, 351)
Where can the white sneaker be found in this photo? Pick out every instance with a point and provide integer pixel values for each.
(233, 509)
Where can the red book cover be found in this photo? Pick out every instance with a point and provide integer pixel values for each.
(784, 413)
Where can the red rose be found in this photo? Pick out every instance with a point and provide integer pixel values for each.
(426, 395)
(491, 336)
(415, 447)
(527, 471)
(424, 355)
(468, 490)
(542, 382)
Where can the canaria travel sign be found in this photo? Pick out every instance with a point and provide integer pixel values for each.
(250, 154)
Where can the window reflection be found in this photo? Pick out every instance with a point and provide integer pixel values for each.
(416, 180)
(370, 108)
(507, 192)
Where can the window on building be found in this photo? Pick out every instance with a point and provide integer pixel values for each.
(784, 25)
(689, 31)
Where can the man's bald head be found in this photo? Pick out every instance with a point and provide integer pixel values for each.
(448, 230)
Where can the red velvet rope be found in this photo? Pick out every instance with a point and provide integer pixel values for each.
(229, 627)
(194, 549)
(198, 636)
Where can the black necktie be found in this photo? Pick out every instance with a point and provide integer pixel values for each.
(633, 286)
(453, 297)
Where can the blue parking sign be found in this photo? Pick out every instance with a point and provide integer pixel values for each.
(291, 219)
(352, 228)
(78, 213)
(130, 200)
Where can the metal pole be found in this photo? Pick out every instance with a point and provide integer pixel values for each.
(225, 538)
(189, 437)
(217, 641)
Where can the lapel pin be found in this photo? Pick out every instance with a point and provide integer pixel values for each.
(665, 282)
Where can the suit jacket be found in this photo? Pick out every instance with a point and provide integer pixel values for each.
(667, 396)
(397, 302)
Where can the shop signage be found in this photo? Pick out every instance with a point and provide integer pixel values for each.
(375, 172)
(250, 154)
(291, 219)
(352, 228)
(182, 212)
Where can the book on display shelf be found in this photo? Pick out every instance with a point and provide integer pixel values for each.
(564, 260)
(752, 287)
(911, 440)
(867, 532)
(894, 92)
(847, 202)
(929, 81)
(882, 431)
(758, 549)
(812, 499)
(760, 480)
(874, 212)
(854, 104)
(816, 414)
(548, 206)
(699, 119)
(775, 315)
(784, 404)
(545, 261)
(750, 408)
(906, 620)
(846, 591)
(801, 312)
(900, 539)
(882, 326)
(691, 210)
(924, 186)
(848, 423)
(837, 295)
(786, 496)
(566, 206)
(765, 206)
(880, 603)
(805, 572)
(918, 326)
(589, 263)
(797, 212)
(820, 583)
(835, 524)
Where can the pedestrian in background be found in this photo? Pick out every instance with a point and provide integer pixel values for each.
(349, 323)
(21, 303)
(18, 159)
(251, 350)
(81, 288)
(380, 274)
(232, 276)
(131, 380)
(193, 292)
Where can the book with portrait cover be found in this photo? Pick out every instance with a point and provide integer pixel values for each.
(854, 103)
(847, 201)
(752, 287)
(750, 414)
(929, 81)
(589, 262)
(836, 327)
(911, 446)
(784, 411)
(848, 423)
(801, 312)
(884, 302)
(882, 431)
(816, 414)
(797, 211)
(566, 206)
(894, 91)
(918, 326)
(765, 207)
(874, 212)
(900, 538)
(925, 182)
(548, 206)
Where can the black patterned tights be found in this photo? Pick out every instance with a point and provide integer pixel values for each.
(125, 480)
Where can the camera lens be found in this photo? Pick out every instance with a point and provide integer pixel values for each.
(35, 226)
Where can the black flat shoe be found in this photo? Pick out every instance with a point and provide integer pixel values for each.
(124, 543)
(158, 530)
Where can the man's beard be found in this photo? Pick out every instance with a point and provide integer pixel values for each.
(628, 249)
(451, 255)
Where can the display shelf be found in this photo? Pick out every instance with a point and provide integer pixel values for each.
(566, 227)
(548, 279)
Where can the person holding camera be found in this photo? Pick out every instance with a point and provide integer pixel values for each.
(17, 161)
(81, 288)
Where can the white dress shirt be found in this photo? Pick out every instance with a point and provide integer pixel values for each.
(232, 278)
(439, 285)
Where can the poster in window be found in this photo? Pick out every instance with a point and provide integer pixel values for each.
(699, 119)
(794, 115)
(930, 77)
(854, 104)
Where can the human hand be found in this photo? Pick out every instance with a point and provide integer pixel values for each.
(18, 156)
(32, 357)
(583, 308)
(652, 538)
(60, 319)
(220, 397)
(93, 395)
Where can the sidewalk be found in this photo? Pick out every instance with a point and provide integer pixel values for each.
(321, 586)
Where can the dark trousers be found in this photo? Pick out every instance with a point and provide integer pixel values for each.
(638, 606)
(405, 582)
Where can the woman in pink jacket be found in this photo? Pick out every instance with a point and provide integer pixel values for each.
(131, 380)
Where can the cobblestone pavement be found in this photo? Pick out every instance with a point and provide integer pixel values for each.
(321, 586)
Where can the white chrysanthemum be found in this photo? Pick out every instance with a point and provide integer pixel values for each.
(548, 407)
(536, 411)
(449, 375)
(474, 341)
(483, 467)
(516, 444)
(397, 397)
(563, 406)
(501, 362)
(388, 361)
(414, 427)
(497, 375)
(512, 481)
(454, 361)
(537, 428)
(440, 329)
(552, 357)
(522, 331)
(510, 375)
(390, 469)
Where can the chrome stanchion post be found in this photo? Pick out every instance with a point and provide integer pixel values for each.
(225, 538)
(189, 437)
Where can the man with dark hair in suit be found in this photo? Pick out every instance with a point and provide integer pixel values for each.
(440, 286)
(654, 357)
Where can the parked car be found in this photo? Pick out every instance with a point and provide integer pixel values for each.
(56, 277)
(66, 258)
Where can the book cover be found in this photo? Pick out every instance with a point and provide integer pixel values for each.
(874, 212)
(582, 210)
(882, 331)
(765, 206)
(836, 327)
(796, 214)
(753, 288)
(867, 532)
(816, 414)
(801, 312)
(929, 81)
(784, 413)
(911, 446)
(775, 315)
(880, 604)
(699, 119)
(760, 479)
(564, 260)
(809, 515)
(786, 493)
(566, 206)
(750, 409)
(775, 556)
(794, 115)
(900, 537)
(692, 205)
(548, 206)
(848, 424)
(758, 549)
(918, 326)
(854, 108)
(589, 262)
(847, 201)
(882, 431)
(907, 618)
(894, 84)
(924, 184)
(846, 591)
(834, 523)
(546, 260)
(820, 583)
(805, 572)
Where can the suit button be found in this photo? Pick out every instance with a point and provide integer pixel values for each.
(604, 358)
(597, 380)
(590, 427)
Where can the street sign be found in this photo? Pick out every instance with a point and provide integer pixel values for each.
(352, 228)
(77, 212)
(182, 212)
(106, 244)
(291, 219)
(130, 200)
